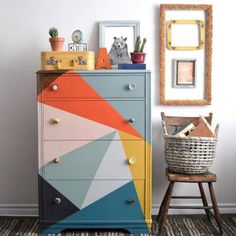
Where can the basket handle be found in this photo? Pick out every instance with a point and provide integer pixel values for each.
(216, 130)
(164, 127)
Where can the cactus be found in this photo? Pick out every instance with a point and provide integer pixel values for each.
(137, 44)
(143, 44)
(53, 32)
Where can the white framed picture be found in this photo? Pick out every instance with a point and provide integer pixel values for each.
(118, 37)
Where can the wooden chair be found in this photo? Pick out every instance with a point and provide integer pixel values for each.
(208, 178)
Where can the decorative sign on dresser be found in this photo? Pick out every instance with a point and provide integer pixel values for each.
(94, 159)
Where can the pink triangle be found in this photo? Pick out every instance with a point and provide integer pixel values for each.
(71, 127)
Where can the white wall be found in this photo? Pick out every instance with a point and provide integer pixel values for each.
(23, 29)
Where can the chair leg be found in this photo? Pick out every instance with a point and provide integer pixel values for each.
(165, 206)
(162, 205)
(204, 200)
(215, 207)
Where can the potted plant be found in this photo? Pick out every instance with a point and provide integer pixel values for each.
(55, 41)
(138, 56)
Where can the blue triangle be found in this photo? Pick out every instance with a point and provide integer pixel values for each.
(119, 208)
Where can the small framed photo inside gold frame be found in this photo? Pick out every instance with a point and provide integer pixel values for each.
(184, 73)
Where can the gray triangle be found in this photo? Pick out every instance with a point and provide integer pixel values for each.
(80, 164)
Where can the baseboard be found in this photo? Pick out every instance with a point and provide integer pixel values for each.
(32, 209)
(18, 209)
(223, 208)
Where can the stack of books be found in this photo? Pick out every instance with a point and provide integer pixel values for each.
(201, 128)
(136, 66)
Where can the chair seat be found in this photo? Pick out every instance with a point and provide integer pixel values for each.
(203, 178)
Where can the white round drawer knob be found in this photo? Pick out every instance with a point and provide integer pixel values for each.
(55, 87)
(57, 200)
(131, 87)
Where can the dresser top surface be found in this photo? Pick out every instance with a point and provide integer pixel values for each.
(93, 71)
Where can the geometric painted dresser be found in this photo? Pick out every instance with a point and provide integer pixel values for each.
(94, 150)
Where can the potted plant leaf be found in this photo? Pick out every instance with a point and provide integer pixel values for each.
(138, 56)
(55, 41)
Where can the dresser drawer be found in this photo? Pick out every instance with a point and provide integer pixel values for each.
(75, 86)
(98, 200)
(93, 159)
(89, 120)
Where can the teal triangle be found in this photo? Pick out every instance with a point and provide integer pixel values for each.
(81, 163)
(113, 206)
(74, 190)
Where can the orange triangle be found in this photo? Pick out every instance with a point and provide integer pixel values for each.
(71, 85)
(97, 110)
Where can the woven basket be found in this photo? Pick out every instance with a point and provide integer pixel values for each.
(189, 155)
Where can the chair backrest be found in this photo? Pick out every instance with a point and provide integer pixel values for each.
(176, 121)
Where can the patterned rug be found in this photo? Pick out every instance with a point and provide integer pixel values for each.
(194, 225)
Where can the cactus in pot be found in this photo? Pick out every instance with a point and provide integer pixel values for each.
(138, 56)
(55, 41)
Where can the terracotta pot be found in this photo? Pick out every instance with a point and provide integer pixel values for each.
(138, 57)
(57, 43)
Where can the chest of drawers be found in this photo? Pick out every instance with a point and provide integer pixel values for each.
(94, 150)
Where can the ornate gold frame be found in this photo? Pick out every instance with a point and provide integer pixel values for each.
(201, 34)
(208, 55)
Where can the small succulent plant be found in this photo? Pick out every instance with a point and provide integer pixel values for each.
(53, 32)
(139, 45)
